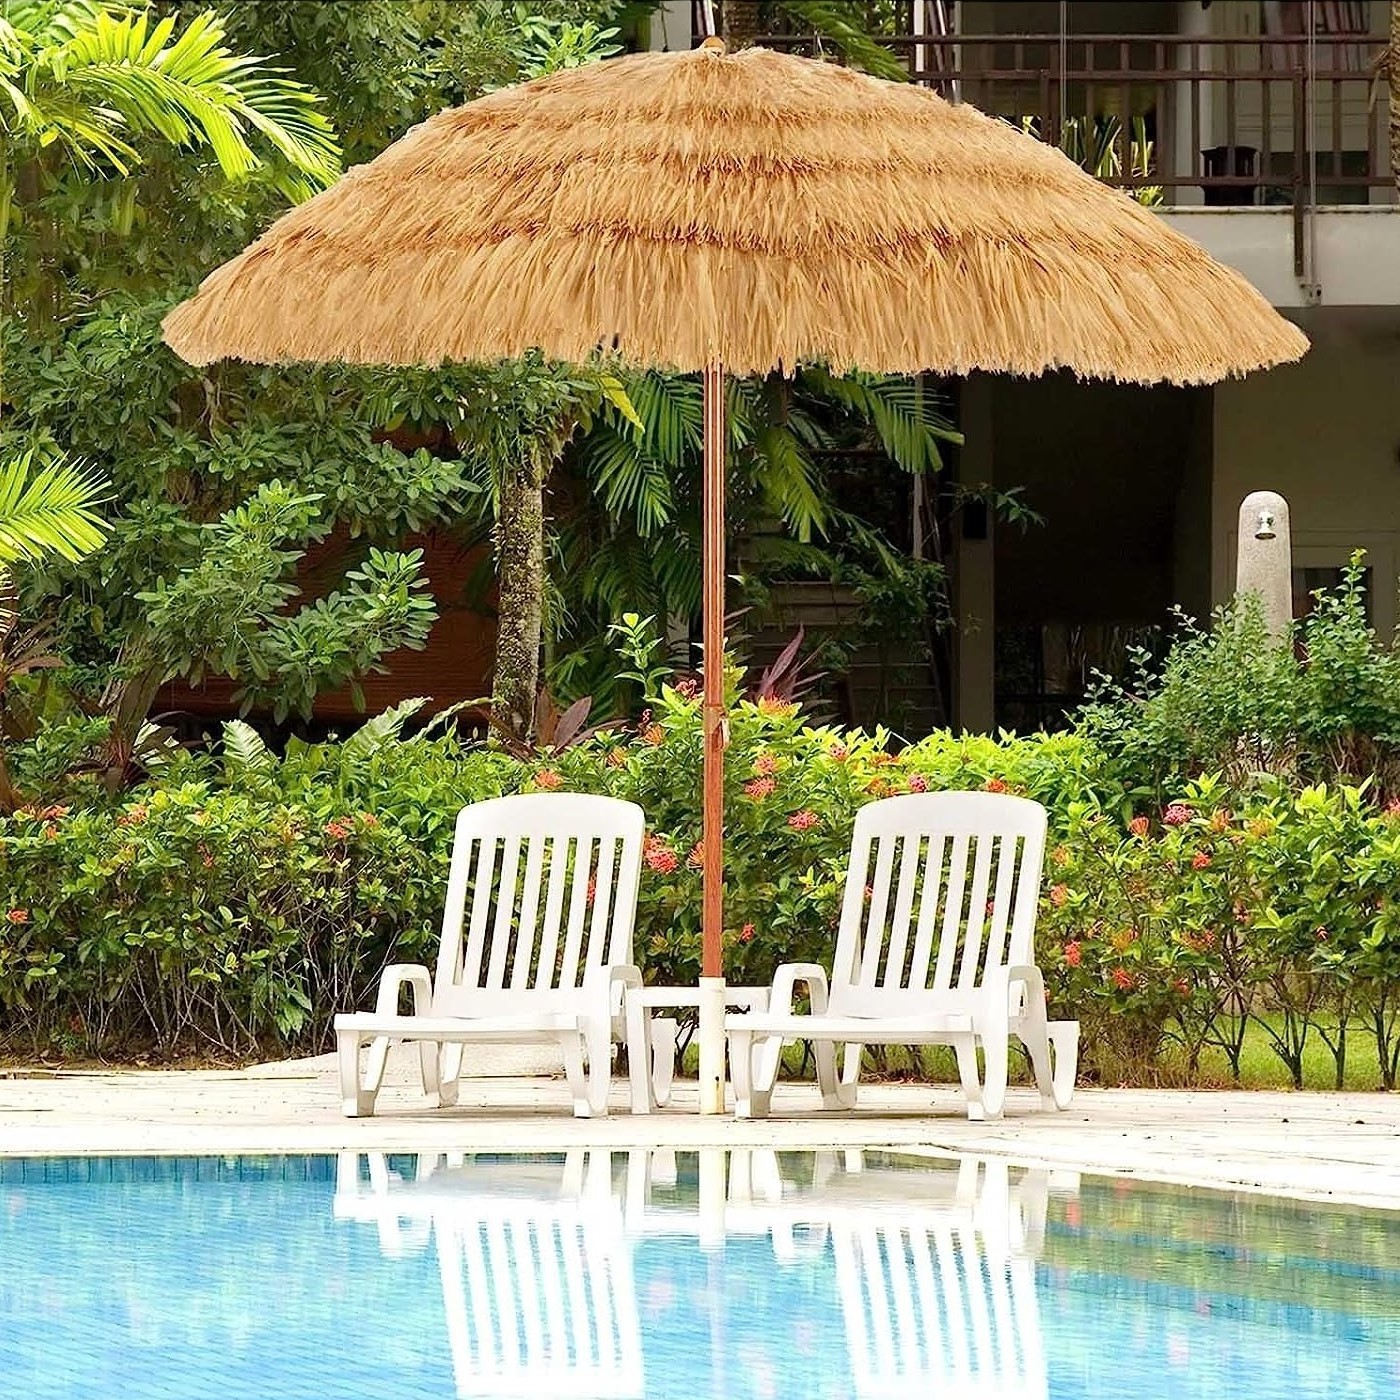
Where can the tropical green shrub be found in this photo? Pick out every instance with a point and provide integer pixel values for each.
(1321, 707)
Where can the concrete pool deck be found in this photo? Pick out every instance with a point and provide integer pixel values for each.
(1319, 1146)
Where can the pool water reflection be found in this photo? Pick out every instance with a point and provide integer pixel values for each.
(645, 1274)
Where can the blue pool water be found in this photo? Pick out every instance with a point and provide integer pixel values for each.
(693, 1275)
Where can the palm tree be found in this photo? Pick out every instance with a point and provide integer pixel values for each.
(1391, 63)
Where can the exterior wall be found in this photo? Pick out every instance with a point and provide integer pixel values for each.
(1325, 433)
(1357, 260)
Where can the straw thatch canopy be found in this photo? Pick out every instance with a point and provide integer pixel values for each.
(755, 208)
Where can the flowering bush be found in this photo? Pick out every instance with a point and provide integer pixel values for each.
(791, 797)
(240, 908)
(1192, 926)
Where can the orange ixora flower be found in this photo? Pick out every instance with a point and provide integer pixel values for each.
(759, 788)
(746, 934)
(765, 765)
(1139, 826)
(918, 783)
(617, 757)
(1058, 895)
(338, 830)
(1200, 860)
(1123, 979)
(134, 816)
(804, 820)
(654, 735)
(841, 753)
(659, 856)
(696, 859)
(18, 916)
(995, 785)
(548, 779)
(1074, 954)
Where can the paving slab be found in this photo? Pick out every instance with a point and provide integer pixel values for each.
(1334, 1147)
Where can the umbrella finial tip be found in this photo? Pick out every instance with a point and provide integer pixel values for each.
(714, 44)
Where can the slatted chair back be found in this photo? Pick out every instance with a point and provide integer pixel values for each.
(941, 887)
(542, 892)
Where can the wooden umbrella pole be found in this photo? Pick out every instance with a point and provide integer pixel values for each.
(716, 735)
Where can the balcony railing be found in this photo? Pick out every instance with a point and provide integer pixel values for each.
(1261, 120)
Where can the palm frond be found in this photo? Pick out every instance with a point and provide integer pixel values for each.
(839, 22)
(629, 480)
(49, 509)
(672, 414)
(787, 479)
(188, 89)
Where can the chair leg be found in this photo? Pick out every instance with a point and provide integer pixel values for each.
(600, 1056)
(572, 1045)
(1053, 1047)
(429, 1057)
(588, 1063)
(1064, 1059)
(664, 1034)
(995, 1052)
(966, 1051)
(357, 1096)
(750, 1099)
(449, 1073)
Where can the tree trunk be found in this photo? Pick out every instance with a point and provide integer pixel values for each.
(739, 23)
(520, 611)
(1392, 65)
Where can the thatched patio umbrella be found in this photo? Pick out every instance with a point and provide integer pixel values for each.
(705, 211)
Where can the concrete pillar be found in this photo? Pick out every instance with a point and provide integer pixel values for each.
(974, 600)
(1264, 558)
(1193, 23)
(668, 27)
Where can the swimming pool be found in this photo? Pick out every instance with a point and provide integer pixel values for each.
(784, 1276)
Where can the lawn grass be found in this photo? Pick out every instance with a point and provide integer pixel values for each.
(1260, 1066)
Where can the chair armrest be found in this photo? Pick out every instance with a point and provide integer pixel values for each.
(1008, 977)
(392, 981)
(785, 982)
(621, 977)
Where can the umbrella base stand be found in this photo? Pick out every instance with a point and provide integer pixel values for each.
(711, 1045)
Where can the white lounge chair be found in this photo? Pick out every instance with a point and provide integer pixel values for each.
(934, 948)
(536, 948)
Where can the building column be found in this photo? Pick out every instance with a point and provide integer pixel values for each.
(1194, 24)
(668, 27)
(974, 592)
